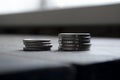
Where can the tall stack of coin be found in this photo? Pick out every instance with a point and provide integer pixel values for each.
(36, 45)
(74, 41)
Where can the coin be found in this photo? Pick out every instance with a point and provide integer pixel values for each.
(35, 49)
(74, 41)
(37, 44)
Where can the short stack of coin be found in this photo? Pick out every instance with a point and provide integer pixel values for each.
(74, 41)
(37, 45)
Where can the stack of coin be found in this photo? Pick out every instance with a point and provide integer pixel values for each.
(74, 41)
(37, 45)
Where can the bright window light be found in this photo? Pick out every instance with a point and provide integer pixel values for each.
(17, 6)
(72, 3)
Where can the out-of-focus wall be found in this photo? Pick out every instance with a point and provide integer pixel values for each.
(109, 14)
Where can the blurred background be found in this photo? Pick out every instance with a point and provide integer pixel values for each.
(49, 17)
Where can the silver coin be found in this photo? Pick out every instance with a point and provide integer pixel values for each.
(35, 46)
(74, 41)
(38, 44)
(78, 47)
(69, 42)
(74, 34)
(74, 49)
(80, 44)
(85, 40)
(35, 49)
(75, 45)
(74, 38)
(36, 40)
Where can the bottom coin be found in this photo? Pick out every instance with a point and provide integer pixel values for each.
(36, 49)
(74, 49)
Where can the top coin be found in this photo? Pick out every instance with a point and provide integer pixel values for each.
(72, 34)
(36, 40)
